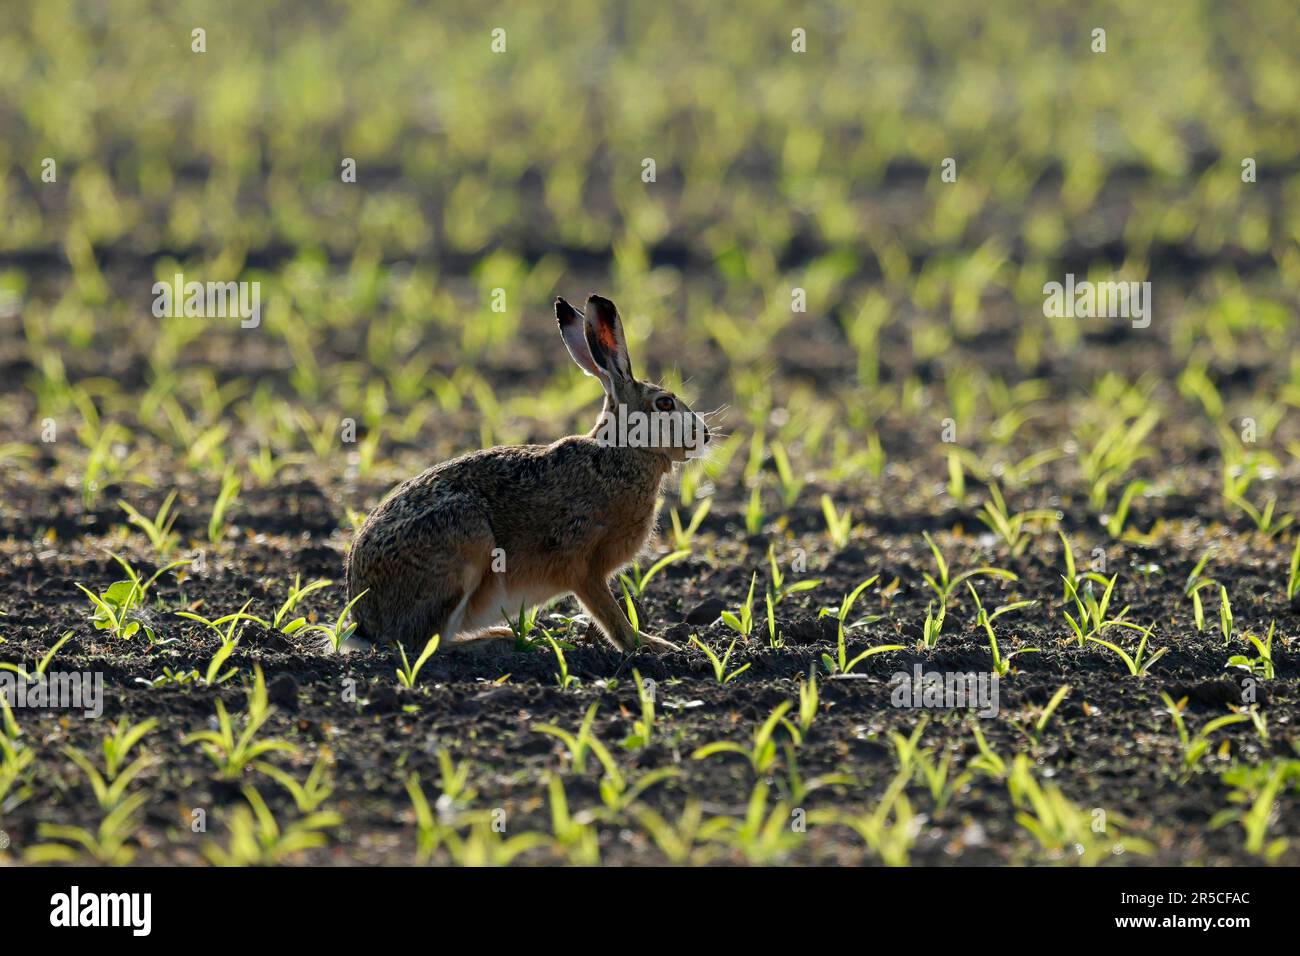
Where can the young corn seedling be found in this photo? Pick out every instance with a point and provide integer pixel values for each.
(678, 842)
(1225, 615)
(342, 628)
(110, 786)
(256, 838)
(231, 752)
(906, 748)
(762, 836)
(791, 485)
(754, 513)
(308, 795)
(483, 845)
(841, 663)
(1116, 521)
(1264, 520)
(762, 753)
(577, 744)
(1261, 666)
(683, 536)
(987, 761)
(1137, 664)
(808, 701)
(574, 836)
(230, 488)
(1011, 527)
(1093, 614)
(1074, 581)
(781, 590)
(933, 626)
(409, 673)
(637, 582)
(563, 678)
(938, 779)
(1256, 819)
(16, 761)
(1195, 747)
(1035, 730)
(429, 831)
(643, 729)
(1293, 579)
(616, 792)
(838, 525)
(105, 845)
(889, 831)
(742, 620)
(945, 584)
(796, 789)
(1063, 828)
(719, 664)
(159, 528)
(1196, 583)
(1001, 665)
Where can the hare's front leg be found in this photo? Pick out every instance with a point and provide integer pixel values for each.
(603, 606)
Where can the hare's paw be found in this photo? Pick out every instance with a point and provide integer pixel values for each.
(655, 644)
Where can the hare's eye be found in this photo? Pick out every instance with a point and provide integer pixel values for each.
(664, 403)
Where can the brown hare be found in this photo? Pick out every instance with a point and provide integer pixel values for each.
(455, 549)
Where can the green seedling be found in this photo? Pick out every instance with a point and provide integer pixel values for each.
(1262, 665)
(742, 620)
(256, 838)
(889, 831)
(1137, 664)
(116, 609)
(105, 845)
(762, 836)
(577, 744)
(780, 590)
(683, 536)
(643, 729)
(1195, 747)
(1001, 665)
(231, 752)
(762, 753)
(308, 795)
(719, 664)
(945, 584)
(562, 678)
(637, 582)
(408, 673)
(1011, 528)
(230, 487)
(159, 528)
(110, 786)
(838, 525)
(1256, 819)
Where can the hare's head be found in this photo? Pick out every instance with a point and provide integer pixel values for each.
(637, 414)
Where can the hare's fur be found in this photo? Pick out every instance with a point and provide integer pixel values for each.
(456, 549)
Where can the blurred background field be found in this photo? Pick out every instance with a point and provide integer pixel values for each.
(522, 171)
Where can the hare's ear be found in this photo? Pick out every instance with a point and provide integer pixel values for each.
(605, 338)
(575, 340)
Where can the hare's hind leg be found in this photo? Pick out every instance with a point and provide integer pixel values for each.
(613, 623)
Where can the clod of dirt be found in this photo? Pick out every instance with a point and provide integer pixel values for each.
(283, 692)
(706, 612)
(383, 699)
